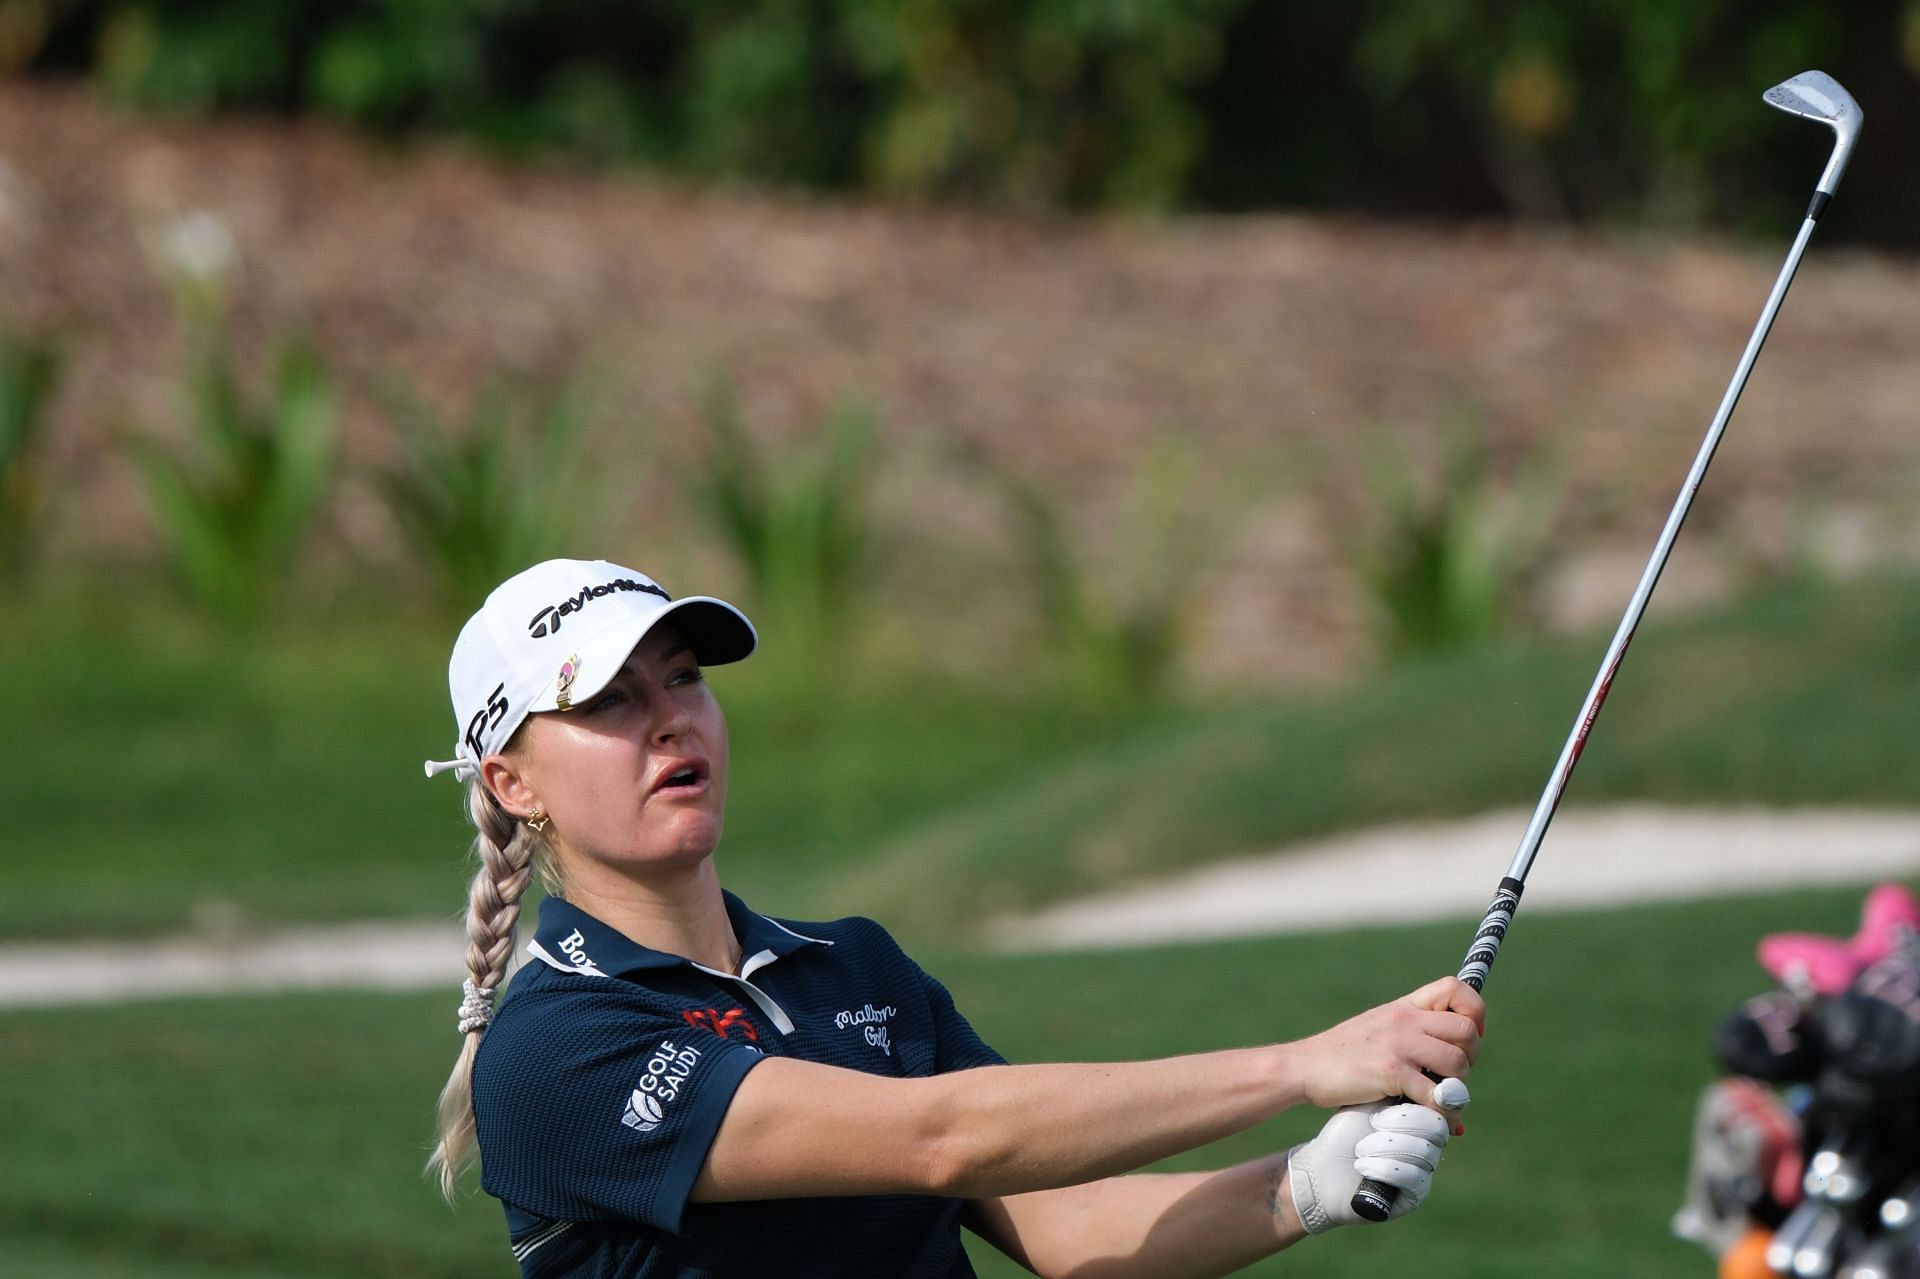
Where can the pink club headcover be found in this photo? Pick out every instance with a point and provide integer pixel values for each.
(1828, 965)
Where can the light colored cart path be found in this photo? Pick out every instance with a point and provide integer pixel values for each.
(1417, 871)
(1440, 870)
(362, 956)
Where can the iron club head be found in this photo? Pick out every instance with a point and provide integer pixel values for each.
(1815, 95)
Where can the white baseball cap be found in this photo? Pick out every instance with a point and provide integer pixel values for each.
(554, 635)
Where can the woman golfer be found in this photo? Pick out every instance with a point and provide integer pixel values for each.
(674, 1084)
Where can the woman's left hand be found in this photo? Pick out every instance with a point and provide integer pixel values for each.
(1398, 1143)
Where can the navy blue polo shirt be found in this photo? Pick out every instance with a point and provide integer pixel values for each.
(601, 1084)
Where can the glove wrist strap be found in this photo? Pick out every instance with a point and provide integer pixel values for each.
(1306, 1197)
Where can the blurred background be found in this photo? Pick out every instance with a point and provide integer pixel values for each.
(1146, 434)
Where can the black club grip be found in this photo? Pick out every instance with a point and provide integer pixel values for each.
(1374, 1200)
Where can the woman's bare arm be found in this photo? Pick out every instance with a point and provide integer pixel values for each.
(797, 1128)
(1168, 1226)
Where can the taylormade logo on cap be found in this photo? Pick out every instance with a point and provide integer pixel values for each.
(547, 621)
(501, 671)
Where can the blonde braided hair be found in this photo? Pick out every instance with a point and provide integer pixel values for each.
(509, 853)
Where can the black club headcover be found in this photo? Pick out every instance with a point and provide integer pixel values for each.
(1770, 1037)
(1873, 1030)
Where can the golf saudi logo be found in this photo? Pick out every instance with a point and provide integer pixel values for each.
(667, 1069)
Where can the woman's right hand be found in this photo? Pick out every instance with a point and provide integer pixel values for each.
(1388, 1051)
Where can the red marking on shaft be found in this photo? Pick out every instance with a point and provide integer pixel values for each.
(1599, 700)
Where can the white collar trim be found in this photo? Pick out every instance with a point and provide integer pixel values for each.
(818, 941)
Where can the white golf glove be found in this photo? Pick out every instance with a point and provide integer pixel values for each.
(1398, 1143)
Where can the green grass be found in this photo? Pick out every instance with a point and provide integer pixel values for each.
(252, 1137)
(1800, 697)
(169, 771)
(164, 769)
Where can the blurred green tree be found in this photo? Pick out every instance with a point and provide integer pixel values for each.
(1623, 108)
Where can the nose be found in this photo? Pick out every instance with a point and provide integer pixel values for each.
(671, 720)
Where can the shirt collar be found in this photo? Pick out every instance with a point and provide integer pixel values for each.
(573, 941)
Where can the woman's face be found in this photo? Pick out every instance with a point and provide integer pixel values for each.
(635, 776)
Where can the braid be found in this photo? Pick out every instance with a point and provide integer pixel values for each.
(505, 849)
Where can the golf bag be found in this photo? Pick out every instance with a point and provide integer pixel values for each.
(1806, 1158)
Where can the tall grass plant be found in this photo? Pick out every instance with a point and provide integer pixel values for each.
(480, 500)
(236, 501)
(1452, 550)
(30, 367)
(799, 521)
(1116, 611)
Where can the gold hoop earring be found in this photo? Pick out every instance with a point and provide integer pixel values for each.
(538, 822)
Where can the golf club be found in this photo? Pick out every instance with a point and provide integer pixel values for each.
(1812, 95)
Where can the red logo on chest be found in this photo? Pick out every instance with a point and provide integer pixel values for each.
(721, 1022)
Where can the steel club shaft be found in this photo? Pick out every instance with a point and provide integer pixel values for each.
(1813, 95)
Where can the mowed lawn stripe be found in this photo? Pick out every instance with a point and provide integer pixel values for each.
(193, 781)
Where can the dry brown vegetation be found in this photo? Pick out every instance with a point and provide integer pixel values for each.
(1293, 353)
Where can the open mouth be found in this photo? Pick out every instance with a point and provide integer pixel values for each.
(686, 777)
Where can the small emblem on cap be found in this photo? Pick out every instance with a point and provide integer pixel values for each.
(563, 684)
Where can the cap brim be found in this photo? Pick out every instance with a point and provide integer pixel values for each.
(718, 632)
